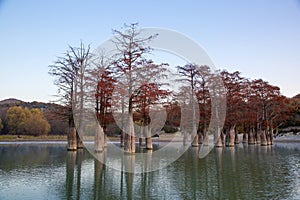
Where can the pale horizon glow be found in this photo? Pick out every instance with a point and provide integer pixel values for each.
(261, 39)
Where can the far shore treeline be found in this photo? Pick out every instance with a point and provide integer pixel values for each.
(47, 120)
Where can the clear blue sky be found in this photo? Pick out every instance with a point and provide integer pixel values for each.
(259, 38)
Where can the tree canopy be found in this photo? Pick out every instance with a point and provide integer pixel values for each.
(22, 121)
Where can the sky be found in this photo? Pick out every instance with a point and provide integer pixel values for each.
(261, 39)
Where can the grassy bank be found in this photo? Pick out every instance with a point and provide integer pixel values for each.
(15, 138)
(33, 138)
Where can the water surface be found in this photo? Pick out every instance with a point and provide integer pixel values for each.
(48, 171)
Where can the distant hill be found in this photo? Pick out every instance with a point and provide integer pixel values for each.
(10, 101)
(297, 96)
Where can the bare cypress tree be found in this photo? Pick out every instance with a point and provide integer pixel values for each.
(65, 70)
(190, 73)
(129, 65)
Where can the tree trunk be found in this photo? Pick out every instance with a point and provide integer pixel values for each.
(72, 143)
(236, 139)
(271, 137)
(227, 138)
(200, 138)
(99, 137)
(230, 137)
(132, 144)
(251, 138)
(185, 138)
(79, 141)
(105, 140)
(122, 139)
(141, 142)
(244, 137)
(222, 137)
(129, 137)
(263, 139)
(195, 142)
(258, 137)
(219, 141)
(205, 139)
(149, 145)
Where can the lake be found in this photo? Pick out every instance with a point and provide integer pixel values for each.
(45, 170)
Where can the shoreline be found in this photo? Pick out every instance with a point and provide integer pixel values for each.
(63, 138)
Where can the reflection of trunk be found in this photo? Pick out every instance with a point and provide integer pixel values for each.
(99, 137)
(79, 162)
(72, 144)
(148, 161)
(70, 167)
(129, 174)
(98, 169)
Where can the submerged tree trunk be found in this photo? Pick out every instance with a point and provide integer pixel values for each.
(72, 142)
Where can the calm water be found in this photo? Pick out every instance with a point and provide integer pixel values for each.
(48, 171)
